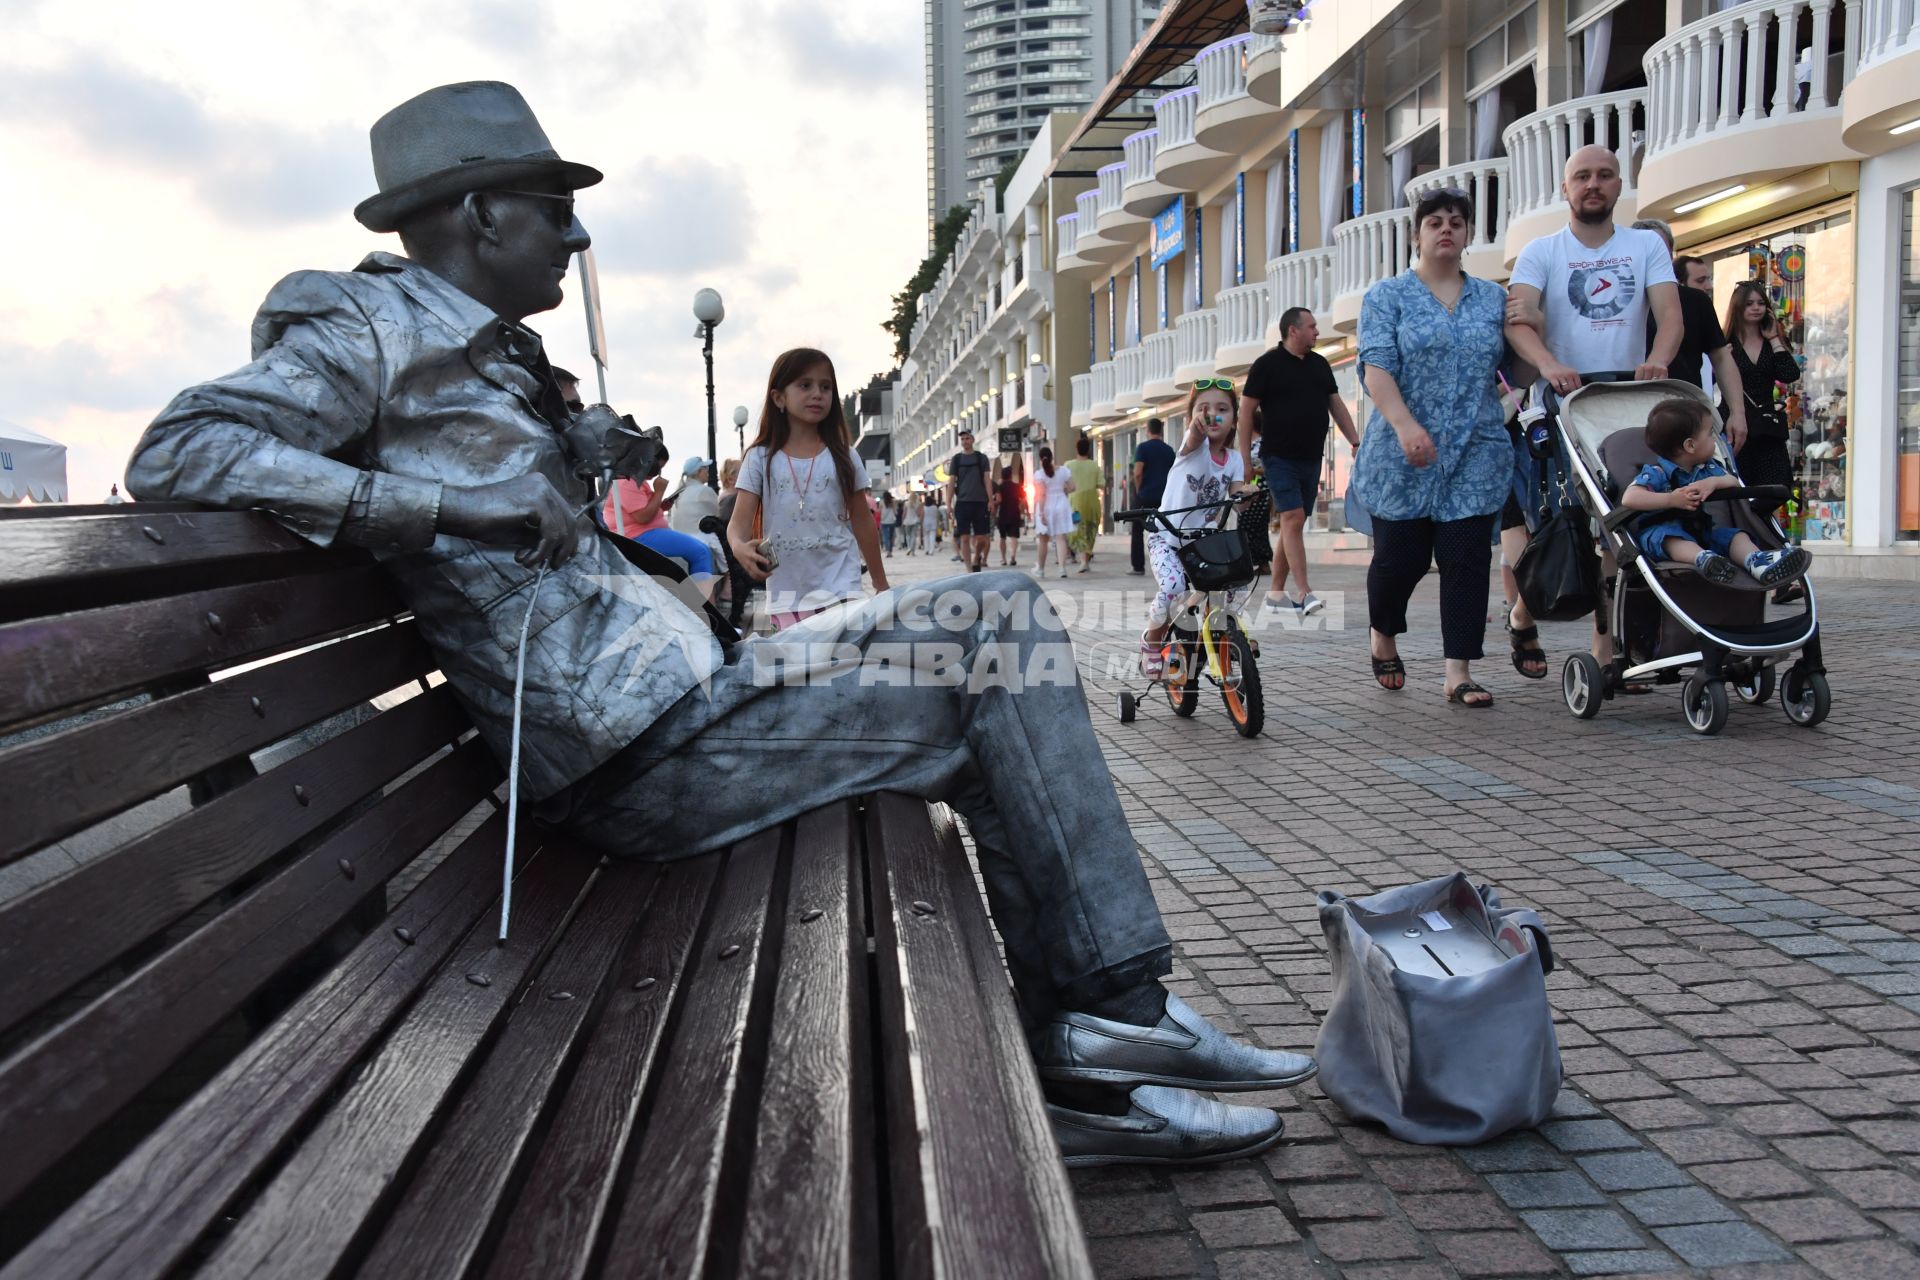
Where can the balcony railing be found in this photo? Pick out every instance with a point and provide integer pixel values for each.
(1538, 145)
(1173, 118)
(1129, 372)
(1082, 397)
(1243, 314)
(1087, 205)
(1221, 69)
(1302, 279)
(1158, 378)
(1888, 28)
(1103, 383)
(1139, 148)
(1486, 182)
(1713, 75)
(1066, 235)
(1057, 30)
(1370, 249)
(1112, 177)
(1196, 337)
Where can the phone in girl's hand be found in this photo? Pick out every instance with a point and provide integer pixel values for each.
(765, 548)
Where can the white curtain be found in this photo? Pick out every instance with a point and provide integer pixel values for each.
(1596, 44)
(1333, 177)
(1229, 242)
(1130, 299)
(1402, 175)
(1276, 209)
(1486, 124)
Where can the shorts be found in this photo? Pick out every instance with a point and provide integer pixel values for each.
(1293, 482)
(970, 520)
(1719, 539)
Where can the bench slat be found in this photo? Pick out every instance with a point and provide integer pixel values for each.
(142, 1218)
(959, 1205)
(811, 1197)
(59, 932)
(687, 1171)
(62, 783)
(75, 658)
(306, 1220)
(70, 548)
(442, 1221)
(567, 1195)
(1038, 1161)
(57, 1089)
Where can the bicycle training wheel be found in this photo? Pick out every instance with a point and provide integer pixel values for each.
(1240, 681)
(1183, 676)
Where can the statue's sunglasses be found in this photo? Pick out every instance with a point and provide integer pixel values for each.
(560, 213)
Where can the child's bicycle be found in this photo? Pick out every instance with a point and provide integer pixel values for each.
(1205, 642)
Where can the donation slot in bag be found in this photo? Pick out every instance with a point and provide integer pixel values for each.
(1439, 1027)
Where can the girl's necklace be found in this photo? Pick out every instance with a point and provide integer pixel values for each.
(806, 488)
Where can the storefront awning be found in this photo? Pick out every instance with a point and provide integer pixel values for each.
(32, 466)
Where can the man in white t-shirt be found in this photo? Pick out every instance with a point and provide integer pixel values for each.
(1580, 298)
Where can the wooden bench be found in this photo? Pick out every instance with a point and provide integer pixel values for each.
(262, 1027)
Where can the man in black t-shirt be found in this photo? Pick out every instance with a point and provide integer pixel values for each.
(1289, 401)
(967, 495)
(1703, 339)
(1152, 460)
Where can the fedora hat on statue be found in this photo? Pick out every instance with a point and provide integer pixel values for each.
(455, 139)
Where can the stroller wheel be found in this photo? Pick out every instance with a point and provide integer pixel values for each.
(1705, 703)
(1580, 685)
(1805, 698)
(1755, 688)
(1127, 707)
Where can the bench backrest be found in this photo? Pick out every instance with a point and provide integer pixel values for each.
(198, 792)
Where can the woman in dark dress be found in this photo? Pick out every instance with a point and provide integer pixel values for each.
(1010, 513)
(1764, 358)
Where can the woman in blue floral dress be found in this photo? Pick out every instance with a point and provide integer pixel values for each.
(1435, 464)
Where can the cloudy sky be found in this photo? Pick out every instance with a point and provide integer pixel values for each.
(165, 164)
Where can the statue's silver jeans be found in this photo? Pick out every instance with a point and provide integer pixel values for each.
(963, 691)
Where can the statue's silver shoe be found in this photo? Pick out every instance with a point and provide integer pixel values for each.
(1164, 1126)
(1184, 1050)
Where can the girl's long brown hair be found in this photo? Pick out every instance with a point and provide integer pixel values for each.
(1736, 325)
(1046, 462)
(1233, 399)
(775, 430)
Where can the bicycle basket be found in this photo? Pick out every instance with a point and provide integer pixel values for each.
(1217, 561)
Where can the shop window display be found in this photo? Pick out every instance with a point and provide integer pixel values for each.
(1907, 461)
(1807, 270)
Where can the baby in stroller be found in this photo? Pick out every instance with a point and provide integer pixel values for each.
(1681, 433)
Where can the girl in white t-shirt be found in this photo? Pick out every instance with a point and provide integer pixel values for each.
(813, 518)
(1207, 468)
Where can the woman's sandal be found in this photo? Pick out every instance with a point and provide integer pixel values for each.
(1385, 669)
(1526, 656)
(1465, 690)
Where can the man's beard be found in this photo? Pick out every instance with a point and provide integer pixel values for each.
(1591, 217)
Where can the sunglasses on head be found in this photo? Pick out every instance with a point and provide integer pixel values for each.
(560, 214)
(1213, 384)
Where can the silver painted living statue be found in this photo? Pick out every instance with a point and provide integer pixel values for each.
(405, 408)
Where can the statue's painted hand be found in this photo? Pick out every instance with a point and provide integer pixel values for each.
(526, 511)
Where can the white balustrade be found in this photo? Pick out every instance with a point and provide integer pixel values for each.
(1485, 181)
(1262, 44)
(1370, 249)
(1103, 386)
(1538, 145)
(1888, 28)
(1302, 279)
(1159, 348)
(1140, 149)
(1713, 75)
(1221, 69)
(1173, 117)
(1066, 234)
(1196, 337)
(1129, 371)
(1243, 312)
(1082, 395)
(1087, 205)
(1107, 194)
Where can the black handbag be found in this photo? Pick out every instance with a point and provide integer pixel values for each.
(1559, 572)
(1217, 561)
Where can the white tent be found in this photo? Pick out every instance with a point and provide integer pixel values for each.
(31, 466)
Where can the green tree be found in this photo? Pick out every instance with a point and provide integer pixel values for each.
(906, 303)
(1001, 179)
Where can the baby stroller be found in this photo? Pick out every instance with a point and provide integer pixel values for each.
(1669, 623)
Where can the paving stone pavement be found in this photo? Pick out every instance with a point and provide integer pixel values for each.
(1736, 920)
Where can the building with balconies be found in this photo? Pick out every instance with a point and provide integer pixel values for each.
(995, 69)
(1780, 138)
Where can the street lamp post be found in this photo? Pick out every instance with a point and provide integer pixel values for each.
(740, 427)
(709, 311)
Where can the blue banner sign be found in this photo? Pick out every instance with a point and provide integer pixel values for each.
(1170, 232)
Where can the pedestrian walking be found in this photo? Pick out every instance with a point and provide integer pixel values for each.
(1010, 517)
(1152, 459)
(969, 493)
(1053, 512)
(1086, 503)
(1763, 361)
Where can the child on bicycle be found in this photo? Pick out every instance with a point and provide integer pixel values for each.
(1206, 469)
